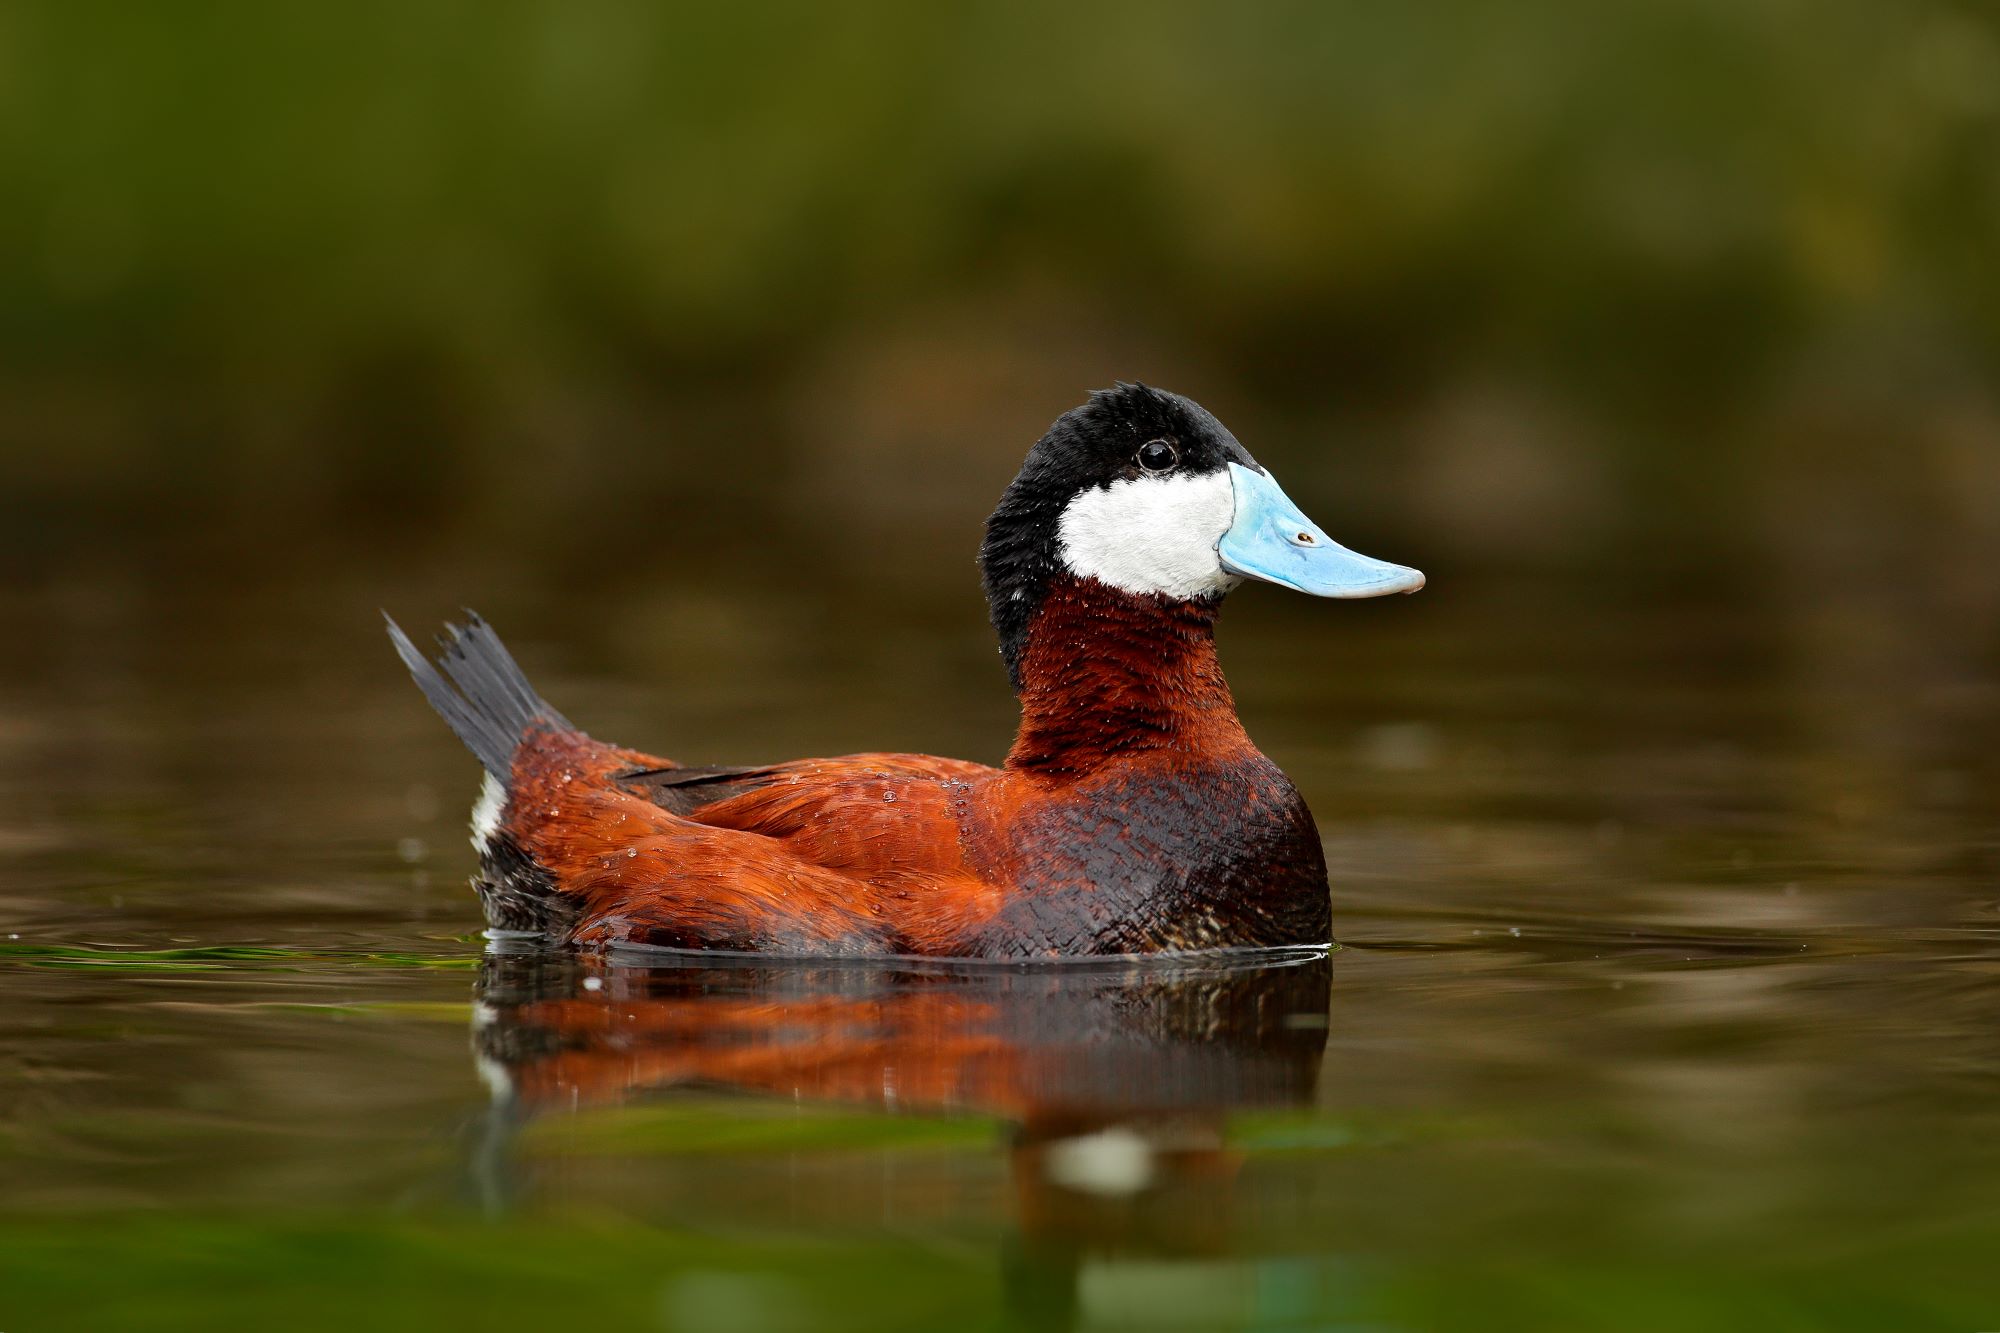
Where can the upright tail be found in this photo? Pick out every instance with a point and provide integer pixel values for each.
(480, 693)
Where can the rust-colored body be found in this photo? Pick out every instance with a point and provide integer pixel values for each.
(1133, 815)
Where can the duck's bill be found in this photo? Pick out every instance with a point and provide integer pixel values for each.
(1271, 540)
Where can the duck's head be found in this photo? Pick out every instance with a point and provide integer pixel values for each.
(1143, 491)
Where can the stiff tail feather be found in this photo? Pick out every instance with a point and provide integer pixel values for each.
(478, 689)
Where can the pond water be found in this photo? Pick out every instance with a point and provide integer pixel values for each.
(1668, 994)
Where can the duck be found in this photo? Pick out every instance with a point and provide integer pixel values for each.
(1132, 816)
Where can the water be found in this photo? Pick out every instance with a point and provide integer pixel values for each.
(1669, 994)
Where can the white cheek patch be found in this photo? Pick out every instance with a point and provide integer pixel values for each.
(1152, 534)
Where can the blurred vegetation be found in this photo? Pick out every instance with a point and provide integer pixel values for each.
(1520, 277)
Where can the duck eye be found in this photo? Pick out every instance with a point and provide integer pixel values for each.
(1158, 455)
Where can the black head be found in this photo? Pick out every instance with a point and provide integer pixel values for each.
(1154, 466)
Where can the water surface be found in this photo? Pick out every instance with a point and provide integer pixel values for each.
(1668, 994)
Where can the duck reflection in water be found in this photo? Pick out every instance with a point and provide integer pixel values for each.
(1116, 1079)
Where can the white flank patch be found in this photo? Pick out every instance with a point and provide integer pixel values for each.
(486, 814)
(1152, 534)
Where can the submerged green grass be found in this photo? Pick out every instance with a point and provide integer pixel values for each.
(216, 958)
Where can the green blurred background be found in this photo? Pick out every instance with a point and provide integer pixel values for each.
(1705, 288)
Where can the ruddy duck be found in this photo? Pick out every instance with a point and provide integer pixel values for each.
(1132, 816)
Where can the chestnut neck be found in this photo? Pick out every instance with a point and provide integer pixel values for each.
(1107, 675)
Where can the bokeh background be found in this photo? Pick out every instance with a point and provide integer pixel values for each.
(692, 343)
(1691, 285)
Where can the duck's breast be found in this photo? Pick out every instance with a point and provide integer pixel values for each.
(1162, 852)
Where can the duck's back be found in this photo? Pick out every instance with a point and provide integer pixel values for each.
(847, 856)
